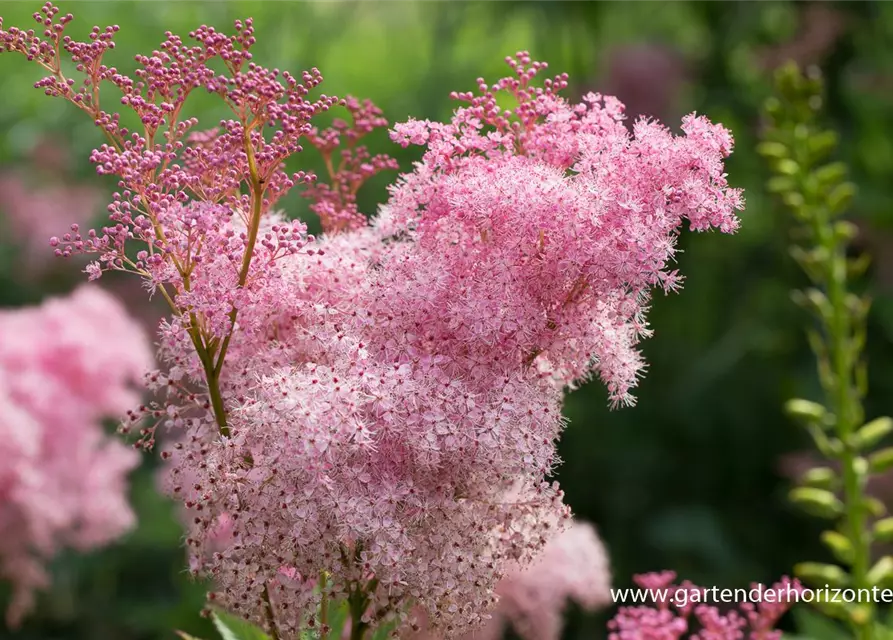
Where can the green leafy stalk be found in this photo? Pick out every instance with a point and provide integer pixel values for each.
(358, 601)
(817, 193)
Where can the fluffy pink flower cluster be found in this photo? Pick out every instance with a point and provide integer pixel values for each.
(552, 223)
(64, 366)
(398, 387)
(354, 453)
(671, 620)
(382, 402)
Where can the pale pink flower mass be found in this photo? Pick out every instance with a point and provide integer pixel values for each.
(383, 401)
(573, 566)
(64, 366)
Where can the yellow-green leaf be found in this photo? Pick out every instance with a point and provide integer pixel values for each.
(881, 461)
(873, 432)
(818, 502)
(819, 574)
(839, 545)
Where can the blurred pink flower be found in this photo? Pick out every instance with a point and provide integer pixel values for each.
(573, 566)
(64, 366)
(35, 212)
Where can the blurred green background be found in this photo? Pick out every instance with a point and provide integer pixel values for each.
(693, 478)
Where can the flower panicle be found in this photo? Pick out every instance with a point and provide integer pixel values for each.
(380, 405)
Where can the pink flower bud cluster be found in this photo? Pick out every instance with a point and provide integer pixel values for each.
(336, 203)
(64, 366)
(382, 402)
(391, 477)
(164, 168)
(670, 619)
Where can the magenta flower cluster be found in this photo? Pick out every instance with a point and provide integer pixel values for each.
(672, 619)
(64, 366)
(371, 415)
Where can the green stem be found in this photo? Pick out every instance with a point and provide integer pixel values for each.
(838, 356)
(358, 601)
(271, 618)
(846, 407)
(257, 199)
(324, 599)
(217, 401)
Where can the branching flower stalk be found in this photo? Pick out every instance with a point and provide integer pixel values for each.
(147, 165)
(817, 193)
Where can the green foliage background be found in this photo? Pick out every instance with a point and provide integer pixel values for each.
(689, 479)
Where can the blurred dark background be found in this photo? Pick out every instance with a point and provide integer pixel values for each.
(692, 479)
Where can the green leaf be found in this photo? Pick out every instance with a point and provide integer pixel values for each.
(773, 150)
(881, 571)
(818, 502)
(787, 167)
(874, 507)
(830, 175)
(820, 478)
(780, 184)
(839, 545)
(856, 267)
(384, 631)
(872, 433)
(772, 106)
(883, 530)
(830, 447)
(186, 636)
(805, 410)
(233, 628)
(818, 574)
(881, 461)
(338, 616)
(794, 200)
(822, 144)
(841, 196)
(845, 230)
